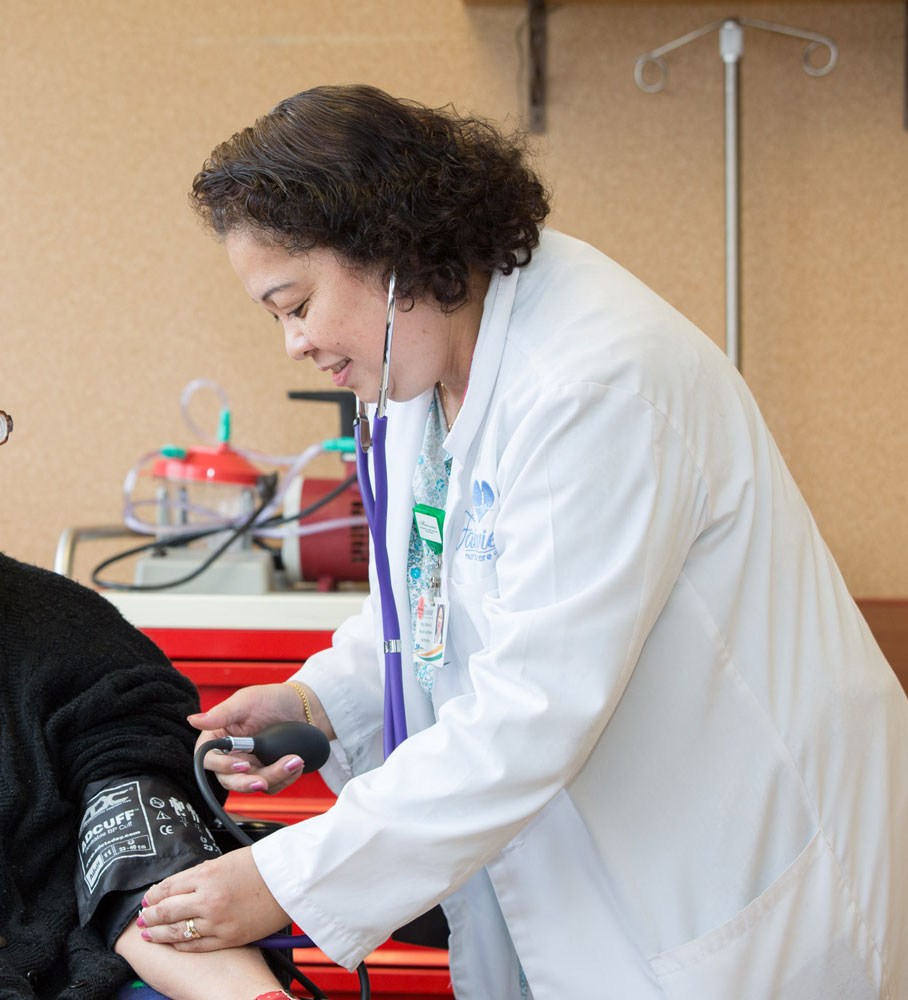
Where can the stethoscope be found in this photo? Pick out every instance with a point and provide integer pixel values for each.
(375, 504)
(285, 737)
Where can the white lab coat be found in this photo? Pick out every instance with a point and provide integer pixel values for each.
(665, 757)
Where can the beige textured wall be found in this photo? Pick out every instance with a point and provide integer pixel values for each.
(113, 298)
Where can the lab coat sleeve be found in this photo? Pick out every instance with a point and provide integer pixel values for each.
(600, 502)
(347, 681)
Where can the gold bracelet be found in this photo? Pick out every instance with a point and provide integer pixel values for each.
(301, 691)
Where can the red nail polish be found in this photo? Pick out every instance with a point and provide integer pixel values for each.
(144, 903)
(146, 935)
(140, 920)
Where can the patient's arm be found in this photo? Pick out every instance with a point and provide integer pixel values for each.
(231, 974)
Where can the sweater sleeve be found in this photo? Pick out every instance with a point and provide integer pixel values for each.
(110, 701)
(84, 697)
(123, 747)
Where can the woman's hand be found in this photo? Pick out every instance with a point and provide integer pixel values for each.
(225, 899)
(246, 713)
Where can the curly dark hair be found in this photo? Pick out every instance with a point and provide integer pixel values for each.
(388, 184)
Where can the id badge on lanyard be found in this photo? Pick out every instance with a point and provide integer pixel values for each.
(431, 626)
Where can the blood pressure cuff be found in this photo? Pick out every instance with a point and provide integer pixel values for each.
(133, 833)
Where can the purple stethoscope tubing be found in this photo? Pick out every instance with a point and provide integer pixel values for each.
(375, 504)
(376, 508)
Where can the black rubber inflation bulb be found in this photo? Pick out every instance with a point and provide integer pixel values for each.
(285, 738)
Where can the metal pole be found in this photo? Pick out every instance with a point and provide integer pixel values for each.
(731, 47)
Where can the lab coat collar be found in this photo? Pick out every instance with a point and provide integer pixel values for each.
(493, 330)
(404, 441)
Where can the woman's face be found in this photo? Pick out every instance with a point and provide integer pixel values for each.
(335, 315)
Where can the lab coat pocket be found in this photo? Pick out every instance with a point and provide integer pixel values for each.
(800, 939)
(466, 598)
(468, 632)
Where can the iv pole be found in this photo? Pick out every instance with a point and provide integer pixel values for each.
(731, 48)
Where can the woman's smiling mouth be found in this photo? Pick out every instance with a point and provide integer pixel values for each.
(339, 372)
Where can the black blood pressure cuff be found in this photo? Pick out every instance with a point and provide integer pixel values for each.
(133, 833)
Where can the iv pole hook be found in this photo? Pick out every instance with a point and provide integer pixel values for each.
(731, 48)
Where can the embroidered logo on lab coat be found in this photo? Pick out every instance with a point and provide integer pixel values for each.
(477, 539)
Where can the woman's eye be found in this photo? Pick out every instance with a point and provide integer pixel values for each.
(297, 313)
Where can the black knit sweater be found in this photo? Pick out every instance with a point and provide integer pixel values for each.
(83, 696)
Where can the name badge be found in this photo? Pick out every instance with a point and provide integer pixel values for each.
(430, 522)
(431, 632)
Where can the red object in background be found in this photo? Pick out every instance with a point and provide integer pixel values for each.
(217, 464)
(396, 972)
(326, 556)
(218, 661)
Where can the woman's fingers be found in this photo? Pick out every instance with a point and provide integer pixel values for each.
(235, 771)
(172, 911)
(191, 934)
(240, 772)
(221, 903)
(186, 932)
(234, 714)
(169, 898)
(248, 712)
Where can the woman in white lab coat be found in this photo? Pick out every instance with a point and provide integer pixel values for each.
(659, 754)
